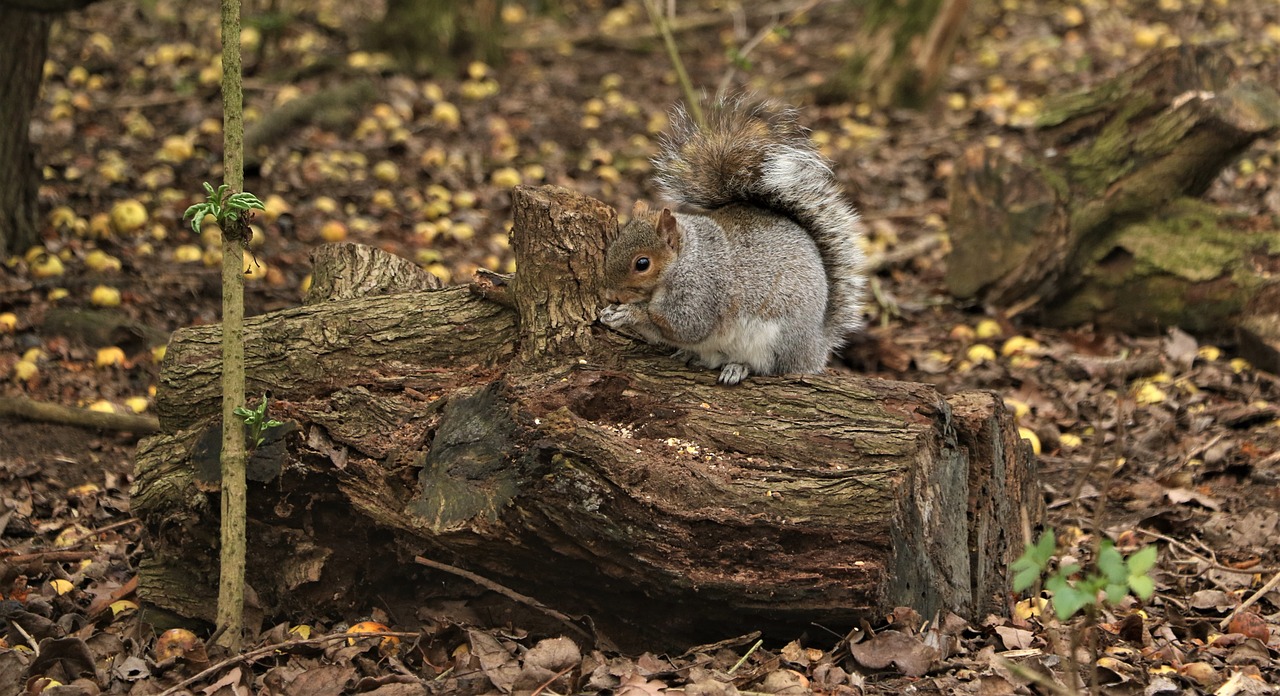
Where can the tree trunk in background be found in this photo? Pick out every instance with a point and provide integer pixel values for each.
(901, 52)
(1097, 221)
(501, 432)
(430, 35)
(24, 39)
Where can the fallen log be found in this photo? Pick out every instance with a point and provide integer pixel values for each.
(561, 460)
(1098, 219)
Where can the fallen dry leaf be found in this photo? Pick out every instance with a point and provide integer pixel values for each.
(1015, 638)
(909, 654)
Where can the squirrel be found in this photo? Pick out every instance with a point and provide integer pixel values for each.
(767, 276)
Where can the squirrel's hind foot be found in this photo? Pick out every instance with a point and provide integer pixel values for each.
(733, 373)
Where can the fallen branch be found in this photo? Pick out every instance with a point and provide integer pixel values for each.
(1271, 585)
(903, 253)
(509, 593)
(29, 409)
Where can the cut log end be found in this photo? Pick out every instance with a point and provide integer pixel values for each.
(346, 271)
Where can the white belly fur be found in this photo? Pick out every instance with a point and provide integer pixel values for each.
(747, 340)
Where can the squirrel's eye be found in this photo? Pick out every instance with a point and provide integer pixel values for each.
(642, 264)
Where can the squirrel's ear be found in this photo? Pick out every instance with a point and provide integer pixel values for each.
(667, 229)
(640, 209)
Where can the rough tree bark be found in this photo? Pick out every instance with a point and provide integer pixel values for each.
(24, 38)
(24, 43)
(495, 429)
(1104, 226)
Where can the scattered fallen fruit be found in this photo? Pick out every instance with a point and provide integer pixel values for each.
(25, 370)
(105, 296)
(333, 231)
(988, 328)
(187, 253)
(176, 642)
(1030, 436)
(99, 260)
(386, 171)
(46, 266)
(980, 353)
(128, 216)
(388, 644)
(110, 356)
(1019, 345)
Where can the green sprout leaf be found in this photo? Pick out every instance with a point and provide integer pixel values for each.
(1033, 561)
(1116, 592)
(1067, 600)
(1025, 574)
(221, 206)
(256, 419)
(1110, 578)
(1142, 561)
(1139, 565)
(1111, 563)
(1143, 586)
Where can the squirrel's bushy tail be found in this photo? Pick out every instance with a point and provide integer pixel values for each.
(755, 152)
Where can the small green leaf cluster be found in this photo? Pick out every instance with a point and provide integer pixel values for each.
(1113, 576)
(257, 421)
(221, 206)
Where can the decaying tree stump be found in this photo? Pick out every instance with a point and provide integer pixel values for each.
(900, 53)
(1098, 220)
(515, 440)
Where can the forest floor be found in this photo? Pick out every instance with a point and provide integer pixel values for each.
(1169, 441)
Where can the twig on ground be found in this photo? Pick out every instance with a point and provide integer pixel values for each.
(508, 593)
(754, 647)
(554, 677)
(903, 252)
(35, 647)
(61, 556)
(1033, 676)
(1271, 585)
(103, 530)
(1213, 565)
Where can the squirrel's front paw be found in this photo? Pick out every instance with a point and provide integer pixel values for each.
(618, 316)
(732, 373)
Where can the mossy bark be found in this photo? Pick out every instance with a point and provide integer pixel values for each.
(564, 461)
(1195, 267)
(1103, 226)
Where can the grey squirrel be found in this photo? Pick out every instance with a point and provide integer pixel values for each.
(767, 277)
